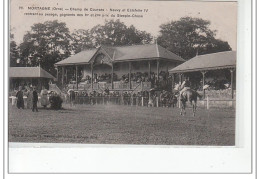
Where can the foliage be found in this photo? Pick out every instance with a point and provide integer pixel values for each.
(117, 33)
(81, 40)
(111, 33)
(46, 44)
(14, 52)
(189, 36)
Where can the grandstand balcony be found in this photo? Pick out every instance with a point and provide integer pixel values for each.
(117, 68)
(117, 86)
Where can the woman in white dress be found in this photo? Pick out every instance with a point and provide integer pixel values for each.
(29, 98)
(44, 97)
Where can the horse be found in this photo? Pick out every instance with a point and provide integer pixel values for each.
(190, 96)
(164, 97)
(171, 99)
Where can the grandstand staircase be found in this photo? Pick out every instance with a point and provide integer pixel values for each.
(54, 87)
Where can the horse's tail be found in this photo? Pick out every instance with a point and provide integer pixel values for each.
(189, 98)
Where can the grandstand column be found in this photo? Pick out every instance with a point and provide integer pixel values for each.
(173, 81)
(232, 82)
(203, 82)
(167, 74)
(130, 68)
(158, 65)
(149, 69)
(77, 77)
(91, 76)
(66, 74)
(112, 75)
(62, 76)
(57, 76)
(180, 77)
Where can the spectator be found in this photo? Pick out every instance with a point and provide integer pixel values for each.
(72, 97)
(20, 101)
(35, 100)
(29, 98)
(44, 98)
(107, 91)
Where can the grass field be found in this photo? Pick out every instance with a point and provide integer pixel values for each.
(114, 124)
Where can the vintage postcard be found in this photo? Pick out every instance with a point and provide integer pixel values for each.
(123, 72)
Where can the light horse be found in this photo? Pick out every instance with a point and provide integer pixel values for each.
(190, 96)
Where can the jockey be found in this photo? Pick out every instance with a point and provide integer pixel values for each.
(186, 84)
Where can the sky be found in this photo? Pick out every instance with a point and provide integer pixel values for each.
(222, 15)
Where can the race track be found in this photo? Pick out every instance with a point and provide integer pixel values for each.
(115, 124)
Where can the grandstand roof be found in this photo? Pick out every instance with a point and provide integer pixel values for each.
(123, 53)
(28, 72)
(211, 61)
(81, 57)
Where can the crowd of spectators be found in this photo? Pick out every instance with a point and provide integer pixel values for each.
(135, 77)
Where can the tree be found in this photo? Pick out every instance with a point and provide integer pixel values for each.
(189, 36)
(46, 44)
(111, 33)
(14, 52)
(81, 40)
(117, 33)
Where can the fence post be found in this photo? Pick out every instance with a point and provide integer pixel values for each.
(142, 101)
(157, 102)
(207, 102)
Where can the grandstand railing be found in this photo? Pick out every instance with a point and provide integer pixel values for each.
(117, 86)
(117, 100)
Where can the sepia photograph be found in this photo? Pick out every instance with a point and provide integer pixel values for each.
(128, 86)
(93, 72)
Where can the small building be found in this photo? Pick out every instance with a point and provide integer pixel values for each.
(26, 76)
(117, 67)
(204, 64)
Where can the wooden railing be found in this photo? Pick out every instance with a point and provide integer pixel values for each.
(116, 100)
(117, 86)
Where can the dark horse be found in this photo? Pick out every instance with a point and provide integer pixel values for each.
(168, 99)
(190, 96)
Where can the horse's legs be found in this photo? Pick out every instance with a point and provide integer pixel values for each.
(181, 110)
(181, 107)
(194, 107)
(183, 104)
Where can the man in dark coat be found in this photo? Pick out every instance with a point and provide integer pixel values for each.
(20, 101)
(35, 100)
